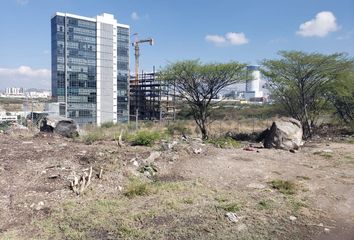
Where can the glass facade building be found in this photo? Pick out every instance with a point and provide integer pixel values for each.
(90, 65)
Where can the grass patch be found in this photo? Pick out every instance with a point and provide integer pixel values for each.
(230, 207)
(137, 188)
(94, 136)
(224, 142)
(145, 138)
(283, 186)
(265, 204)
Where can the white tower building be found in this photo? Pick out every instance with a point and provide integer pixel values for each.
(253, 83)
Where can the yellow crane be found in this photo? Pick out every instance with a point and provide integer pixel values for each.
(136, 44)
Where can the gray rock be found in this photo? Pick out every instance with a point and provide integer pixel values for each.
(292, 218)
(153, 156)
(63, 126)
(285, 133)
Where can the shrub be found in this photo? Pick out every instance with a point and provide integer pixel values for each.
(283, 186)
(94, 136)
(224, 142)
(146, 138)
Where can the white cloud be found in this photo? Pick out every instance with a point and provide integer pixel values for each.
(25, 76)
(236, 38)
(320, 26)
(135, 16)
(215, 39)
(230, 38)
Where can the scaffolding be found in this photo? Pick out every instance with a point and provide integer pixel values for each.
(151, 98)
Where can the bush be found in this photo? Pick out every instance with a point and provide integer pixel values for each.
(146, 138)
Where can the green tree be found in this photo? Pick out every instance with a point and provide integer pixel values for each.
(341, 95)
(299, 82)
(198, 84)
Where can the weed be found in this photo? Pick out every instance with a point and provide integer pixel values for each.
(224, 142)
(265, 204)
(94, 136)
(136, 188)
(188, 201)
(230, 207)
(146, 138)
(283, 186)
(303, 177)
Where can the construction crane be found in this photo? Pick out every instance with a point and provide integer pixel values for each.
(136, 44)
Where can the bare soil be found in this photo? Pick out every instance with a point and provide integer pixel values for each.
(188, 196)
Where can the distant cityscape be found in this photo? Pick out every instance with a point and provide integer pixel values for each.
(19, 92)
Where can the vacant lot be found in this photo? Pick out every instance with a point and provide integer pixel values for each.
(174, 190)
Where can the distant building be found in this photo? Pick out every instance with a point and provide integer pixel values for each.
(253, 83)
(90, 59)
(14, 91)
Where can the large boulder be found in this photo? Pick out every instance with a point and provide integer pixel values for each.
(60, 125)
(285, 133)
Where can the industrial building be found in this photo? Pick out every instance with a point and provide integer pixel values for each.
(253, 83)
(90, 68)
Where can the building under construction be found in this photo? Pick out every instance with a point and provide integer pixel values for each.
(151, 98)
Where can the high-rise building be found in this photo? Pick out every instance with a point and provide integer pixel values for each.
(90, 67)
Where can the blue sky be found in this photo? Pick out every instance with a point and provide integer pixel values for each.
(213, 31)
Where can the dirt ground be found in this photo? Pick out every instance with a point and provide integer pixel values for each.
(195, 186)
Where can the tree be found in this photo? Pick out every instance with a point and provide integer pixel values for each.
(198, 84)
(299, 82)
(341, 95)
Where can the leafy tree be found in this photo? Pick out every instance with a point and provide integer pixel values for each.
(197, 84)
(299, 81)
(341, 95)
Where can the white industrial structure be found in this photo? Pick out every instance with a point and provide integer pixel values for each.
(253, 83)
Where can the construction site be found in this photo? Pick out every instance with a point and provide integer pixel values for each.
(151, 98)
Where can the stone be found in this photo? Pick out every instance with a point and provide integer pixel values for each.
(327, 230)
(153, 156)
(292, 218)
(285, 133)
(39, 206)
(63, 126)
(232, 217)
(327, 150)
(197, 150)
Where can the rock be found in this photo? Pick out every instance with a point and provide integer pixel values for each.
(27, 142)
(153, 156)
(197, 150)
(232, 217)
(63, 126)
(327, 150)
(135, 163)
(326, 230)
(39, 206)
(285, 133)
(292, 218)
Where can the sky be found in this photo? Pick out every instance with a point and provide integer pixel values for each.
(246, 31)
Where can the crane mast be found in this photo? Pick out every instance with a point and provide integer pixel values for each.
(136, 44)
